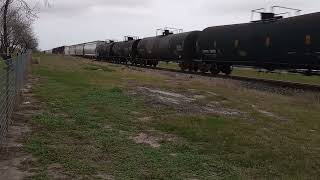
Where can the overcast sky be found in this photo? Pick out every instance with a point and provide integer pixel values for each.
(69, 22)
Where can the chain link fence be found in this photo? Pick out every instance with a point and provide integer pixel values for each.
(13, 76)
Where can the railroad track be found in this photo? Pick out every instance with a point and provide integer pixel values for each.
(282, 84)
(273, 83)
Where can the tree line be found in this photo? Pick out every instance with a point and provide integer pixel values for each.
(16, 33)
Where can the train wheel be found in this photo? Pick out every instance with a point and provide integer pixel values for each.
(183, 67)
(190, 68)
(195, 68)
(226, 70)
(155, 64)
(204, 68)
(308, 72)
(214, 69)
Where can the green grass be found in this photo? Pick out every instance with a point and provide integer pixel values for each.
(2, 64)
(282, 76)
(169, 65)
(93, 67)
(90, 119)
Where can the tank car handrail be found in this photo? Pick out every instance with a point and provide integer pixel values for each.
(256, 11)
(282, 7)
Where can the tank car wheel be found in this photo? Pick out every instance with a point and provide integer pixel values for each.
(214, 69)
(195, 68)
(204, 68)
(227, 70)
(155, 64)
(183, 67)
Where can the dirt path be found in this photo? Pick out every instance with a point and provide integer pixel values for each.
(15, 163)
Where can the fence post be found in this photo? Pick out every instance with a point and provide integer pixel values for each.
(7, 103)
(17, 75)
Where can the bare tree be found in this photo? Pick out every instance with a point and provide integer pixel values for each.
(20, 34)
(5, 14)
(20, 6)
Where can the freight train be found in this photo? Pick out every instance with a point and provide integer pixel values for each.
(84, 49)
(272, 43)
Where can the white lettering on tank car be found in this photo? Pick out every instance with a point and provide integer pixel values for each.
(210, 51)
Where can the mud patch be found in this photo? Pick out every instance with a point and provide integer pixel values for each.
(270, 114)
(143, 138)
(107, 127)
(173, 154)
(169, 95)
(154, 138)
(56, 171)
(199, 97)
(10, 169)
(145, 119)
(104, 176)
(168, 100)
(135, 113)
(184, 104)
(217, 108)
(16, 132)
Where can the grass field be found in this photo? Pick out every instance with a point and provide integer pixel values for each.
(2, 64)
(246, 72)
(2, 70)
(105, 120)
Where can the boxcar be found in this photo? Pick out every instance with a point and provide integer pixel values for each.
(67, 50)
(72, 50)
(48, 51)
(58, 50)
(90, 49)
(79, 50)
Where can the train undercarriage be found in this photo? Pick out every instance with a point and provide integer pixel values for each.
(133, 61)
(144, 62)
(205, 67)
(193, 66)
